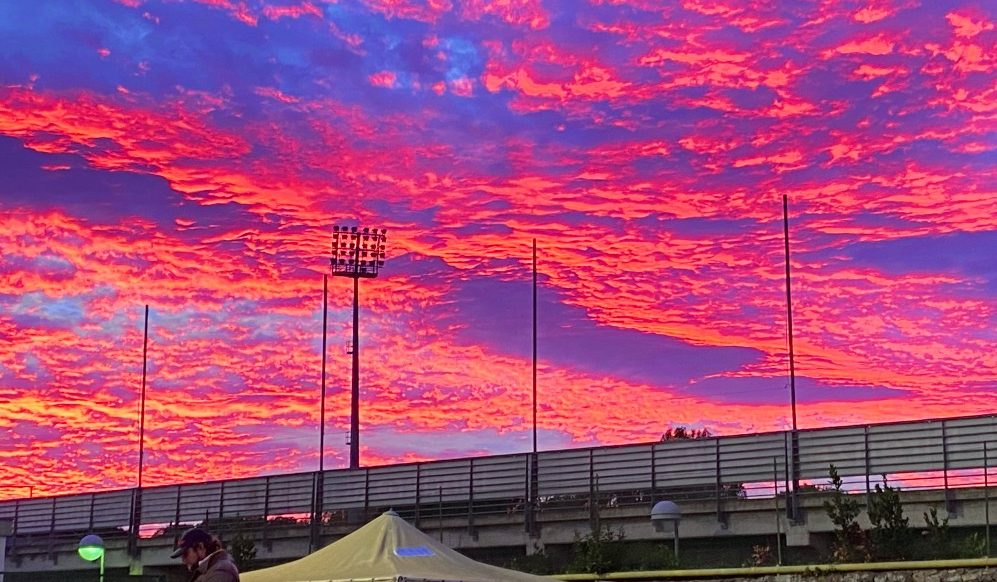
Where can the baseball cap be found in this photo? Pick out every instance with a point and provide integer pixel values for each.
(189, 539)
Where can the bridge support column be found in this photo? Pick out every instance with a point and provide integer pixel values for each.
(6, 529)
(797, 535)
(534, 545)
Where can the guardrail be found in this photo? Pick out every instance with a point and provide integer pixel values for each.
(936, 454)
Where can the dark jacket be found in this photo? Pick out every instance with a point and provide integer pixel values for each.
(218, 567)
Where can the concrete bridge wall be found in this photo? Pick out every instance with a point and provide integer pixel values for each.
(742, 518)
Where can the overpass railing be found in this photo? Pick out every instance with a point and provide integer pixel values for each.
(931, 454)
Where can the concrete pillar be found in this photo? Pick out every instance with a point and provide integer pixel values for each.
(6, 529)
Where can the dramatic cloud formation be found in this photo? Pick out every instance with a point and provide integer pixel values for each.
(194, 156)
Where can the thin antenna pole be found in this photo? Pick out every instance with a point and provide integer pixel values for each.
(325, 324)
(775, 497)
(986, 493)
(141, 414)
(534, 346)
(318, 481)
(792, 502)
(789, 311)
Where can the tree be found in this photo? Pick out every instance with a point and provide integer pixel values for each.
(939, 544)
(243, 551)
(597, 552)
(850, 543)
(936, 536)
(891, 535)
(681, 433)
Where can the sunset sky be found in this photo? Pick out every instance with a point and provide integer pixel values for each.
(194, 156)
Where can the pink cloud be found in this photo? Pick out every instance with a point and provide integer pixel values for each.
(386, 79)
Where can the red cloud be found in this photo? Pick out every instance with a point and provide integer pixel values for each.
(386, 79)
(292, 11)
(424, 11)
(518, 12)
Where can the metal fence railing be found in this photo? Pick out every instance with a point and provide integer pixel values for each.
(929, 454)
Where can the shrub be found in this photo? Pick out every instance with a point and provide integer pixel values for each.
(937, 542)
(646, 556)
(539, 562)
(243, 551)
(850, 543)
(760, 556)
(598, 551)
(891, 534)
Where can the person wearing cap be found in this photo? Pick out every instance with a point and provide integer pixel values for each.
(205, 558)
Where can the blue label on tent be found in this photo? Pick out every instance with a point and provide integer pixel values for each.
(414, 552)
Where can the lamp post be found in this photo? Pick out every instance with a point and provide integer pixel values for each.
(357, 253)
(665, 512)
(92, 548)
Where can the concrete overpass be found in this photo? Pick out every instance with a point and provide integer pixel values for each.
(729, 488)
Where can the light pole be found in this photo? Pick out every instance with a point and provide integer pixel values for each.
(357, 253)
(92, 548)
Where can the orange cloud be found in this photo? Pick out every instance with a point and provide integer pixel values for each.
(877, 45)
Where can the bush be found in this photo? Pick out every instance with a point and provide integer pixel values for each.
(936, 535)
(850, 543)
(760, 556)
(242, 548)
(644, 556)
(598, 552)
(974, 546)
(536, 563)
(891, 534)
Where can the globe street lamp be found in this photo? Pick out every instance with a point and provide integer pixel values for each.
(92, 548)
(665, 512)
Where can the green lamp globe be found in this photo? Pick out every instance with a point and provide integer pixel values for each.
(91, 548)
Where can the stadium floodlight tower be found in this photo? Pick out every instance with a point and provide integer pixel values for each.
(357, 253)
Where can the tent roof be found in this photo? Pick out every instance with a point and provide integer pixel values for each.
(387, 549)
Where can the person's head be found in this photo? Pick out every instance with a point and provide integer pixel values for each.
(194, 545)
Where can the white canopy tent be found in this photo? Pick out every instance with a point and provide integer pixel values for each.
(387, 549)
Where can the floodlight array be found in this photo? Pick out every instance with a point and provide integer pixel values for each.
(357, 252)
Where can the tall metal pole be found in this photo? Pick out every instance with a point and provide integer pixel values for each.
(676, 540)
(986, 493)
(775, 497)
(792, 363)
(789, 311)
(325, 324)
(534, 476)
(141, 414)
(318, 481)
(534, 346)
(136, 502)
(355, 391)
